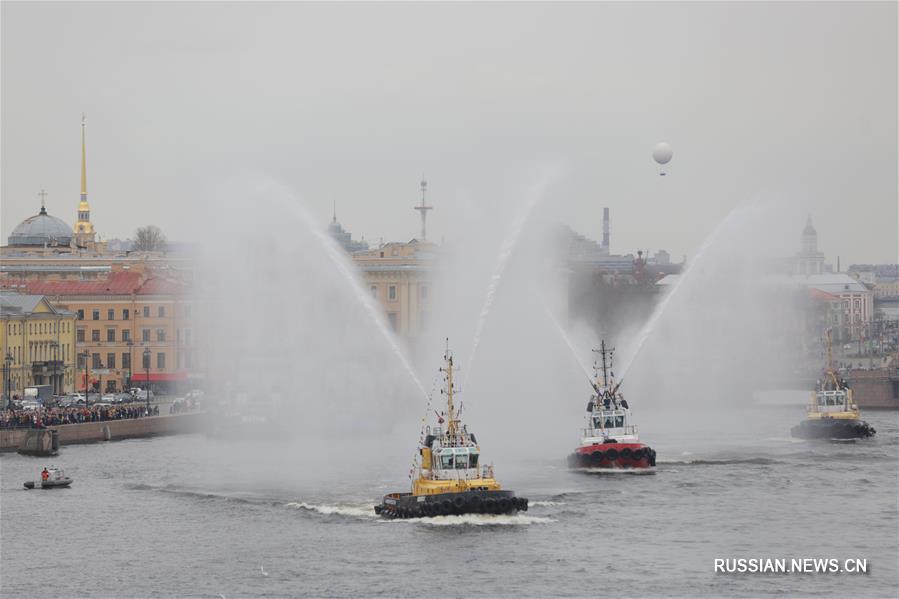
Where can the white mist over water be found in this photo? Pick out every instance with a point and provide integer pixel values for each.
(290, 334)
(728, 327)
(734, 218)
(510, 242)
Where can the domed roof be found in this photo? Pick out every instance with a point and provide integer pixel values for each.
(41, 229)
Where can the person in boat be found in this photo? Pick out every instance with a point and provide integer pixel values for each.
(45, 474)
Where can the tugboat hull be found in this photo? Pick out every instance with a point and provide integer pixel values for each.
(832, 428)
(406, 505)
(613, 455)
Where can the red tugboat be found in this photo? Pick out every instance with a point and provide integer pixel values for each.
(610, 440)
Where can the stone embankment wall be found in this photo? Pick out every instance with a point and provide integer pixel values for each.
(874, 389)
(92, 432)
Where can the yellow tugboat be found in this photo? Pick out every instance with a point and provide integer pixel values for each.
(832, 413)
(448, 478)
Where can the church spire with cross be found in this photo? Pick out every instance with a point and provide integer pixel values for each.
(84, 229)
(423, 210)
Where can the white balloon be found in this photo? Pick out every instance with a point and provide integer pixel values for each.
(662, 153)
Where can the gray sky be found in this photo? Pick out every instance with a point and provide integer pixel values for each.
(354, 102)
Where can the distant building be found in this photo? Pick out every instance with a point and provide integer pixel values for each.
(398, 276)
(809, 261)
(344, 238)
(37, 341)
(129, 327)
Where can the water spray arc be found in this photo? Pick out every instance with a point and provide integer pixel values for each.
(697, 262)
(510, 242)
(340, 262)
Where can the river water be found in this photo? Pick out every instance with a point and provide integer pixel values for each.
(188, 516)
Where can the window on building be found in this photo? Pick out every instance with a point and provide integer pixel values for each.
(187, 336)
(178, 360)
(423, 293)
(126, 335)
(391, 292)
(160, 360)
(95, 361)
(126, 360)
(374, 291)
(160, 334)
(110, 314)
(79, 335)
(146, 311)
(126, 314)
(81, 314)
(188, 360)
(80, 361)
(110, 360)
(161, 311)
(391, 318)
(145, 335)
(110, 335)
(145, 360)
(95, 335)
(96, 315)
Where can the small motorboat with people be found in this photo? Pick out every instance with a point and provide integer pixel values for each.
(51, 478)
(832, 412)
(610, 440)
(448, 478)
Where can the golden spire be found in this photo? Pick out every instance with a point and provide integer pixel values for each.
(83, 229)
(83, 163)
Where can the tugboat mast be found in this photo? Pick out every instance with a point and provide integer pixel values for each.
(452, 422)
(605, 368)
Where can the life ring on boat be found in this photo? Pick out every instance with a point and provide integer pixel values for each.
(446, 506)
(474, 503)
(505, 504)
(458, 502)
(596, 457)
(638, 453)
(627, 453)
(490, 506)
(612, 454)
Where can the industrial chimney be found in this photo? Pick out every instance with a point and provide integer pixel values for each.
(605, 228)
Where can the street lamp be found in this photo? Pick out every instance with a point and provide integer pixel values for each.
(130, 345)
(147, 354)
(55, 346)
(7, 366)
(86, 354)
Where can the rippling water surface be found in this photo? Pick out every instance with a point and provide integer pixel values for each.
(180, 517)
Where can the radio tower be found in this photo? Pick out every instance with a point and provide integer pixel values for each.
(423, 209)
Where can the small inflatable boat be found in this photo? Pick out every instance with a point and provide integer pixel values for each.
(51, 478)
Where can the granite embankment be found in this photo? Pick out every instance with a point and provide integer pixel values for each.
(111, 430)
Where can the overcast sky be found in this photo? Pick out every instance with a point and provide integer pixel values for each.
(355, 102)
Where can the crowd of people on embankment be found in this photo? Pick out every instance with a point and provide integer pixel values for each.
(44, 417)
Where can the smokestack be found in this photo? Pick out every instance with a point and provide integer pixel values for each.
(605, 228)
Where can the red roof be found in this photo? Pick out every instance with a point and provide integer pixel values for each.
(823, 296)
(117, 283)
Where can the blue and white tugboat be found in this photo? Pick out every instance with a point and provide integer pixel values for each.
(610, 439)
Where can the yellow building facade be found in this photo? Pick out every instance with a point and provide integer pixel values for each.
(37, 340)
(398, 276)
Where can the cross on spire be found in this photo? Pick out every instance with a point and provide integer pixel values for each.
(43, 196)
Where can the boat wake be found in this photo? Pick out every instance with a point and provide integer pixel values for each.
(532, 504)
(364, 512)
(476, 520)
(723, 462)
(617, 471)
